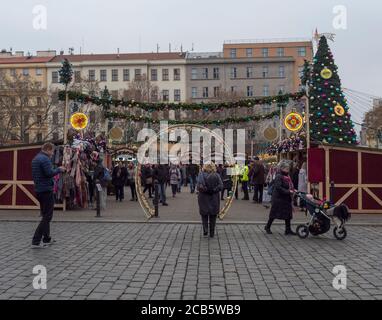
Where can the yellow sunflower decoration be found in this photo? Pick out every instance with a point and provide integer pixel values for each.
(293, 121)
(79, 121)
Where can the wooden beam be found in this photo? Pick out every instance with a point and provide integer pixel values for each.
(327, 173)
(14, 187)
(2, 191)
(360, 204)
(347, 195)
(16, 182)
(30, 196)
(374, 196)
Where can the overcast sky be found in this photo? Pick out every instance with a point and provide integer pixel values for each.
(138, 25)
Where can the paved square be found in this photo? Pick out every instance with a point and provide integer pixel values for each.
(174, 261)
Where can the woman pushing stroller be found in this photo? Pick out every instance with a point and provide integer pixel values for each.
(282, 199)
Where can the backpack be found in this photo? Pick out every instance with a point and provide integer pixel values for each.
(106, 175)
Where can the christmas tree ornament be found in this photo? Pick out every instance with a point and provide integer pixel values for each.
(293, 121)
(326, 73)
(339, 110)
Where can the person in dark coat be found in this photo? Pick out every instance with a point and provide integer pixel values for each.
(209, 186)
(147, 179)
(160, 174)
(282, 199)
(227, 182)
(43, 173)
(258, 180)
(192, 173)
(119, 180)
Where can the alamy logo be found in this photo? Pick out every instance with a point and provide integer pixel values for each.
(340, 279)
(340, 20)
(39, 281)
(40, 20)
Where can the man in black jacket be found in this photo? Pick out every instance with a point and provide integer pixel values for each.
(43, 173)
(160, 174)
(192, 174)
(258, 180)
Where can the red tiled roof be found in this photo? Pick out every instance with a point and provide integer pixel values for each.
(122, 56)
(16, 60)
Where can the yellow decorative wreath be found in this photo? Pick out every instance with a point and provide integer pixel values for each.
(79, 121)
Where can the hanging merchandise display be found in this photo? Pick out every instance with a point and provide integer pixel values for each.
(293, 122)
(76, 185)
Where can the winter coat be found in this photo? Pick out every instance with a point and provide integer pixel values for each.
(209, 202)
(160, 174)
(227, 181)
(281, 199)
(258, 174)
(147, 175)
(99, 173)
(192, 171)
(43, 173)
(174, 176)
(119, 176)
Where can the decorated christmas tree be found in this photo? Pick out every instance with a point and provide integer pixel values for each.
(66, 73)
(330, 120)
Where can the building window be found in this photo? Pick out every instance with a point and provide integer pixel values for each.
(280, 52)
(282, 89)
(39, 120)
(194, 74)
(249, 52)
(249, 72)
(266, 91)
(91, 75)
(216, 74)
(25, 72)
(177, 95)
(137, 74)
(126, 75)
(103, 75)
(114, 75)
(55, 136)
(301, 52)
(154, 75)
(249, 91)
(265, 72)
(13, 72)
(233, 73)
(55, 77)
(38, 72)
(216, 92)
(281, 71)
(205, 92)
(194, 92)
(55, 118)
(233, 53)
(39, 101)
(26, 137)
(265, 52)
(39, 137)
(165, 95)
(233, 89)
(77, 76)
(165, 75)
(205, 73)
(154, 95)
(177, 74)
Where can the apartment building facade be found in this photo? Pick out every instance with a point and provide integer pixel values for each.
(118, 72)
(24, 99)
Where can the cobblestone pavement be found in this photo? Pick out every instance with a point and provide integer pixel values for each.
(183, 208)
(174, 261)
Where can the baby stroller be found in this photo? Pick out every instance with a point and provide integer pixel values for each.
(322, 214)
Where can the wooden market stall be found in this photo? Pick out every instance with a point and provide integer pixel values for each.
(355, 173)
(16, 185)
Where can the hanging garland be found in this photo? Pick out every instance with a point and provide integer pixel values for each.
(118, 115)
(249, 103)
